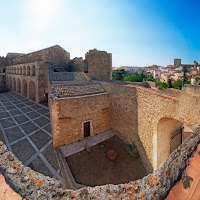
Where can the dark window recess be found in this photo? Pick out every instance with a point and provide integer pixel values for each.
(86, 129)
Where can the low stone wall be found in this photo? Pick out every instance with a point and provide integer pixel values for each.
(32, 185)
(26, 182)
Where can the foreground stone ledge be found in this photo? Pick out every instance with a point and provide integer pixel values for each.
(33, 185)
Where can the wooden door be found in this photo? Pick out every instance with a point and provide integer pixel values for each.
(86, 129)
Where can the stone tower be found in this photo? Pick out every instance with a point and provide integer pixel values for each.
(98, 64)
(177, 62)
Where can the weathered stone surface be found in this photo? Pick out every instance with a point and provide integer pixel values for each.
(32, 185)
(99, 64)
(74, 112)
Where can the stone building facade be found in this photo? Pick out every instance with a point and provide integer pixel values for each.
(55, 55)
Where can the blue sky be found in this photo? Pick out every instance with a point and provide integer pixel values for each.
(136, 32)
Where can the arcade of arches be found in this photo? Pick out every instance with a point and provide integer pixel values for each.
(28, 79)
(27, 86)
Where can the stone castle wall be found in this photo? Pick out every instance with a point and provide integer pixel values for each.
(55, 55)
(33, 185)
(136, 112)
(76, 65)
(3, 62)
(69, 114)
(124, 119)
(99, 64)
(151, 108)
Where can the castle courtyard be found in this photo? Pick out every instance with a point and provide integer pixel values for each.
(92, 167)
(25, 129)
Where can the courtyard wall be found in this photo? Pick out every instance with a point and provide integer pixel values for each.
(135, 112)
(69, 114)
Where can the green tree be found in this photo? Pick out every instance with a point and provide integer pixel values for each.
(150, 78)
(162, 85)
(135, 77)
(170, 83)
(178, 84)
(118, 74)
(197, 78)
(185, 78)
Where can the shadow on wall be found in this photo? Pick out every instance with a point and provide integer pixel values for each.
(140, 147)
(124, 117)
(169, 138)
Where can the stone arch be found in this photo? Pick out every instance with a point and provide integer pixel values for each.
(28, 71)
(33, 70)
(18, 85)
(32, 93)
(14, 84)
(24, 70)
(20, 70)
(24, 87)
(167, 137)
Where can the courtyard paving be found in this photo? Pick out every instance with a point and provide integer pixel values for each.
(26, 131)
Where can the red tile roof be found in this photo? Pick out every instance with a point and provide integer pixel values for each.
(188, 188)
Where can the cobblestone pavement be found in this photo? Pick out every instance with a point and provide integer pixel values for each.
(26, 131)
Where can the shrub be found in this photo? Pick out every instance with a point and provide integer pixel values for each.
(132, 150)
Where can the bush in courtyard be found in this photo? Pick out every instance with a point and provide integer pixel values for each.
(87, 147)
(132, 150)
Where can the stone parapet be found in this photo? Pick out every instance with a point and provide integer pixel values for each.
(32, 185)
(26, 182)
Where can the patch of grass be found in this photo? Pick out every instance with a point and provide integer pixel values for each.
(87, 147)
(132, 150)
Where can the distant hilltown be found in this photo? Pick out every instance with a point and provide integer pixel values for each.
(164, 73)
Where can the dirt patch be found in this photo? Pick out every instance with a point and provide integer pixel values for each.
(94, 168)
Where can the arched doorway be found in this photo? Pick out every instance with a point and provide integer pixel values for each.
(14, 84)
(18, 85)
(32, 90)
(169, 138)
(24, 88)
